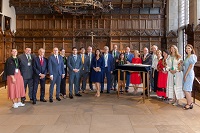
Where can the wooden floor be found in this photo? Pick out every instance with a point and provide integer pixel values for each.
(106, 114)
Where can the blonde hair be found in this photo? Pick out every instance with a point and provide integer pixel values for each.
(177, 55)
(137, 52)
(158, 52)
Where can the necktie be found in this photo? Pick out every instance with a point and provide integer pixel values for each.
(75, 58)
(114, 54)
(83, 58)
(41, 61)
(29, 57)
(57, 59)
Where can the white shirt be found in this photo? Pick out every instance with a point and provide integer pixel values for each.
(106, 60)
(155, 63)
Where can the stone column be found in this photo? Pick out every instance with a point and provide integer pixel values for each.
(172, 15)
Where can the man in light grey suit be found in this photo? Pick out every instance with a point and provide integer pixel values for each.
(56, 72)
(86, 68)
(74, 64)
(26, 62)
(115, 53)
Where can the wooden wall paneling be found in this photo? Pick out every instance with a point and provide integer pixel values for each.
(8, 43)
(172, 38)
(121, 24)
(123, 46)
(197, 42)
(135, 46)
(2, 48)
(144, 44)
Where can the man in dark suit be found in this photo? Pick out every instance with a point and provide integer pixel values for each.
(108, 70)
(129, 56)
(86, 68)
(147, 60)
(63, 81)
(39, 75)
(26, 69)
(56, 72)
(115, 53)
(90, 55)
(74, 64)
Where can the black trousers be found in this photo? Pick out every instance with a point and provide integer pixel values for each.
(63, 85)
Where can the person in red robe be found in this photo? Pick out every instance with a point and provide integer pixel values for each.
(135, 76)
(162, 75)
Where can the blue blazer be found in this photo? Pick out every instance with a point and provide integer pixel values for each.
(37, 68)
(110, 62)
(54, 67)
(72, 64)
(129, 57)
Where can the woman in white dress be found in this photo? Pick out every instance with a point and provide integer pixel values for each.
(175, 76)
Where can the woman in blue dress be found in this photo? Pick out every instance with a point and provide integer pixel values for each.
(97, 65)
(188, 71)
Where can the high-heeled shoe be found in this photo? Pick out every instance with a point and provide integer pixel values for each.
(191, 106)
(186, 107)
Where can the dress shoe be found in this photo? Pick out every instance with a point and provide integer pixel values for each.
(126, 91)
(83, 91)
(50, 100)
(108, 92)
(79, 95)
(58, 99)
(43, 100)
(115, 89)
(70, 96)
(101, 91)
(34, 102)
(31, 99)
(23, 100)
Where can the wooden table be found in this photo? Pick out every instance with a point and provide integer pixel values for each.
(144, 69)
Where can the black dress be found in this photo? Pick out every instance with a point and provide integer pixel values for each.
(119, 63)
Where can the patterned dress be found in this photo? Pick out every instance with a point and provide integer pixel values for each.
(187, 85)
(175, 81)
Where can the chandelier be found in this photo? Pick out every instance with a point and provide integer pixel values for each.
(79, 7)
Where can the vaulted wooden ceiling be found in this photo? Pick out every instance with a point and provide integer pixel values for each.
(120, 6)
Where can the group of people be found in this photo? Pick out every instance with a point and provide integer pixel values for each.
(170, 75)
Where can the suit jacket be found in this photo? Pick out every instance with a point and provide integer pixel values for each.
(37, 68)
(147, 60)
(54, 67)
(129, 57)
(90, 59)
(26, 71)
(110, 62)
(72, 64)
(115, 57)
(86, 64)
